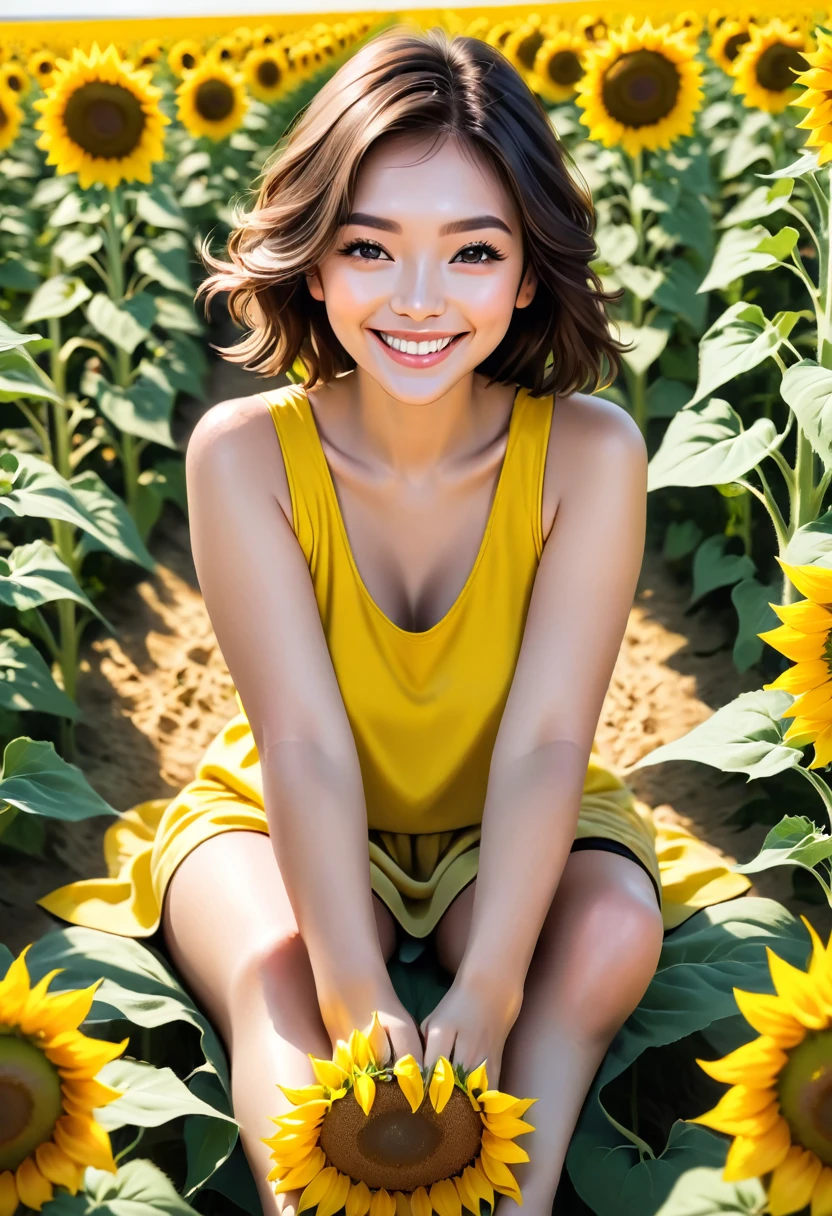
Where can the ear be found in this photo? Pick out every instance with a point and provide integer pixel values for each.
(316, 288)
(528, 287)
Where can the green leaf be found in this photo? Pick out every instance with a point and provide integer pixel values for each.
(738, 341)
(10, 338)
(36, 780)
(124, 326)
(713, 568)
(751, 600)
(157, 205)
(690, 223)
(209, 1142)
(144, 409)
(174, 314)
(165, 261)
(56, 297)
(666, 397)
(679, 294)
(115, 531)
(680, 539)
(15, 274)
(75, 208)
(702, 1191)
(642, 281)
(745, 736)
(760, 202)
(150, 1096)
(35, 574)
(740, 251)
(706, 445)
(649, 342)
(139, 1188)
(616, 243)
(21, 377)
(73, 246)
(781, 244)
(807, 388)
(750, 144)
(26, 683)
(807, 162)
(811, 545)
(794, 841)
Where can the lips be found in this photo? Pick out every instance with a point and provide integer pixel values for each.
(408, 360)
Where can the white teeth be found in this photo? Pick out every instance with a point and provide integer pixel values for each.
(415, 348)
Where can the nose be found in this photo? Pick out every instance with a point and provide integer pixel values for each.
(418, 292)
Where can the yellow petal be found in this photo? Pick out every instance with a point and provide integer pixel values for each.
(291, 1159)
(302, 1175)
(805, 616)
(823, 749)
(57, 1167)
(359, 1049)
(365, 1091)
(735, 1116)
(307, 1093)
(441, 1084)
(768, 1015)
(797, 992)
(751, 1156)
(358, 1200)
(378, 1041)
(802, 678)
(9, 1201)
(318, 1189)
(815, 582)
(477, 1079)
(793, 1181)
(33, 1188)
(58, 1012)
(14, 989)
(493, 1102)
(420, 1204)
(756, 1063)
(445, 1198)
(478, 1183)
(84, 1141)
(506, 1126)
(89, 1093)
(467, 1197)
(328, 1073)
(382, 1203)
(304, 1116)
(402, 1204)
(796, 646)
(342, 1056)
(499, 1175)
(503, 1150)
(336, 1197)
(409, 1075)
(74, 1052)
(821, 1195)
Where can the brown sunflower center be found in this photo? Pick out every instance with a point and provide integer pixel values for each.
(4, 118)
(777, 66)
(528, 47)
(106, 120)
(733, 44)
(188, 60)
(641, 88)
(44, 67)
(596, 31)
(225, 54)
(565, 68)
(214, 100)
(804, 1088)
(268, 74)
(14, 82)
(30, 1099)
(396, 1149)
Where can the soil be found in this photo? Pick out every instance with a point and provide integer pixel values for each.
(153, 697)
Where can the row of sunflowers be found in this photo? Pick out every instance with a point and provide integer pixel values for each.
(704, 137)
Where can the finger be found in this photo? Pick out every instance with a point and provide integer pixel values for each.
(439, 1042)
(405, 1040)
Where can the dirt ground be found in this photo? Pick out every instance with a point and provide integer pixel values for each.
(154, 697)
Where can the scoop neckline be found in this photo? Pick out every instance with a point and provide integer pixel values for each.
(421, 634)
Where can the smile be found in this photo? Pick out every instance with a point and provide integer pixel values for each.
(415, 354)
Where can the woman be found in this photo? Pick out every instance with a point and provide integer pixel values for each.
(419, 568)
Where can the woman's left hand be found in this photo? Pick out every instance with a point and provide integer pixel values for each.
(471, 1024)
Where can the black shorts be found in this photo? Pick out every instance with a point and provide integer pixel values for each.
(615, 846)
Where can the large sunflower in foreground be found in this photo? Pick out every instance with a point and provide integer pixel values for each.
(212, 100)
(817, 99)
(558, 66)
(805, 637)
(48, 1090)
(267, 73)
(766, 69)
(727, 42)
(11, 116)
(371, 1137)
(778, 1109)
(641, 88)
(101, 119)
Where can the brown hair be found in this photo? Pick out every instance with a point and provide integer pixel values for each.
(407, 80)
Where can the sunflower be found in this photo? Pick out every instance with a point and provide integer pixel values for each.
(371, 1137)
(224, 50)
(101, 119)
(778, 1106)
(558, 66)
(264, 35)
(499, 33)
(523, 43)
(805, 637)
(690, 21)
(14, 78)
(48, 1091)
(726, 42)
(266, 73)
(184, 55)
(593, 29)
(641, 89)
(304, 56)
(817, 99)
(11, 116)
(212, 100)
(150, 52)
(41, 65)
(766, 68)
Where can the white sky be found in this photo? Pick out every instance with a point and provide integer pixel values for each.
(79, 10)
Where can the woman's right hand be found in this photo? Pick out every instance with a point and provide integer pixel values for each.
(349, 1008)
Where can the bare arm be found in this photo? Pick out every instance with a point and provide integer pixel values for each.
(259, 595)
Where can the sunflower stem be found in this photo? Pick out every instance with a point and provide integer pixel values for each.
(823, 790)
(115, 267)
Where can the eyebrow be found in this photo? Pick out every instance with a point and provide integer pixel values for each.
(468, 225)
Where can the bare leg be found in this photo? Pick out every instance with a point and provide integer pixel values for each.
(232, 934)
(596, 954)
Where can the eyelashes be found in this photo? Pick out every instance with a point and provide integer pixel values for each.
(493, 254)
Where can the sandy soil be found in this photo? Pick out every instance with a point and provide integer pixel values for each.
(154, 697)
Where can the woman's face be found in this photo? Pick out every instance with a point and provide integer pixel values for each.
(432, 253)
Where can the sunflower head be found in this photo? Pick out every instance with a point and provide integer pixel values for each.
(149, 53)
(101, 119)
(817, 98)
(805, 637)
(15, 78)
(184, 55)
(377, 1137)
(224, 50)
(593, 29)
(41, 65)
(559, 66)
(767, 66)
(11, 116)
(727, 41)
(212, 100)
(778, 1109)
(264, 35)
(267, 73)
(48, 1090)
(641, 89)
(523, 43)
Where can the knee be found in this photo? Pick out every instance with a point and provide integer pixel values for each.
(277, 962)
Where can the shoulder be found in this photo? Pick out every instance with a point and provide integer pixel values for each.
(235, 445)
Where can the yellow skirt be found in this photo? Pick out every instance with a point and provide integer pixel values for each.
(417, 876)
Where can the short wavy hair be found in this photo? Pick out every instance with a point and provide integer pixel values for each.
(407, 80)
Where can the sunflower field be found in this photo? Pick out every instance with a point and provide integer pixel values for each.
(705, 137)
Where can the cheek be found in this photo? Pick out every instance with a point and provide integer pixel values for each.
(488, 299)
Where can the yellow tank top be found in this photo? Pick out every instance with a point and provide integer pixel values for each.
(424, 707)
